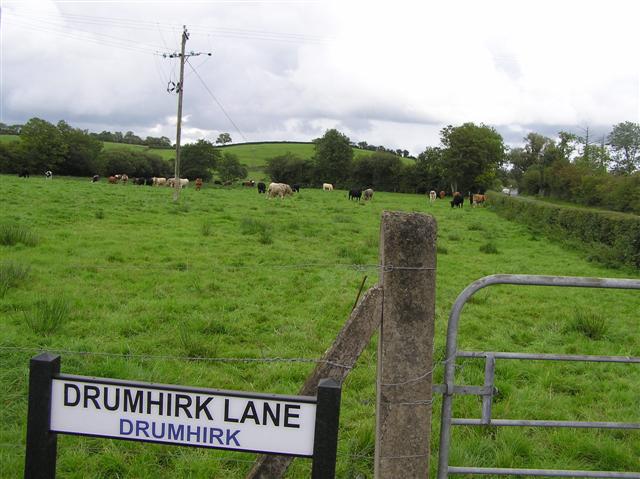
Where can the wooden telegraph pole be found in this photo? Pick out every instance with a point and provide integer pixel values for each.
(176, 182)
(179, 89)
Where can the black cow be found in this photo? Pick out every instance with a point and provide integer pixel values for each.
(457, 201)
(24, 173)
(95, 178)
(262, 188)
(355, 194)
(140, 181)
(148, 181)
(296, 188)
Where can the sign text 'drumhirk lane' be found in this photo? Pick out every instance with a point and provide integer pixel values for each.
(264, 423)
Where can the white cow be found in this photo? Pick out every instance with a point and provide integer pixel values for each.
(432, 196)
(278, 189)
(327, 187)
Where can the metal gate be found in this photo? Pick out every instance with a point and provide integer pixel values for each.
(449, 389)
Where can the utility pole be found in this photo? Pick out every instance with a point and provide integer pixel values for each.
(179, 89)
(176, 176)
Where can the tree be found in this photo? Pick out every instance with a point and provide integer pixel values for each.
(380, 170)
(43, 144)
(625, 142)
(471, 156)
(223, 139)
(197, 160)
(82, 151)
(429, 170)
(289, 168)
(230, 169)
(333, 156)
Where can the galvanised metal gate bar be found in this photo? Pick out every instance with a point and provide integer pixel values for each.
(449, 388)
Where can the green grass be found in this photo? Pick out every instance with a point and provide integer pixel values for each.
(9, 138)
(228, 273)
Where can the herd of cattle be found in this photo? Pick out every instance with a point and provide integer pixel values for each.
(275, 190)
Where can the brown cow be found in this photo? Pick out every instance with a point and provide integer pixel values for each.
(198, 184)
(442, 195)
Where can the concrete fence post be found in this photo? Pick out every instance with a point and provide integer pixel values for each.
(405, 348)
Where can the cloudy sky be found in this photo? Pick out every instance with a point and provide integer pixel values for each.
(389, 73)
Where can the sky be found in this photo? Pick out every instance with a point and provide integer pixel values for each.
(390, 73)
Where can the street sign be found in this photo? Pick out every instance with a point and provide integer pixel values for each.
(303, 426)
(185, 416)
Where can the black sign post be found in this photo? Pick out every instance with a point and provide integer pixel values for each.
(45, 419)
(40, 457)
(325, 440)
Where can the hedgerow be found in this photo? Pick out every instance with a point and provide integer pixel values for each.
(609, 237)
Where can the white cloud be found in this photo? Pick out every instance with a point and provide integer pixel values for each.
(386, 73)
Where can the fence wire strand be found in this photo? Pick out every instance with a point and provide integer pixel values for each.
(176, 358)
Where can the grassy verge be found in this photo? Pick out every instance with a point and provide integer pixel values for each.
(229, 274)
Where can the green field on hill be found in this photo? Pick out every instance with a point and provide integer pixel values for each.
(216, 290)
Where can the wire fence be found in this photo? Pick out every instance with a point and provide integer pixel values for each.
(165, 357)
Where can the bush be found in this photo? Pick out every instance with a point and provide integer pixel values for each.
(615, 235)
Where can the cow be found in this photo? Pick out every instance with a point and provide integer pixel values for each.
(141, 181)
(278, 189)
(327, 187)
(506, 191)
(262, 187)
(355, 194)
(458, 200)
(184, 182)
(249, 183)
(442, 195)
(432, 196)
(159, 181)
(95, 178)
(295, 187)
(24, 173)
(478, 200)
(368, 194)
(198, 184)
(113, 180)
(124, 178)
(150, 181)
(48, 175)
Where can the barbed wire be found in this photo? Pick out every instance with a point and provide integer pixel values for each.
(424, 375)
(34, 349)
(187, 266)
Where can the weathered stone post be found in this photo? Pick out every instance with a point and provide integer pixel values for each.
(405, 362)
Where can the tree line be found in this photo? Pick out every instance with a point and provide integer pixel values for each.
(75, 152)
(469, 159)
(572, 168)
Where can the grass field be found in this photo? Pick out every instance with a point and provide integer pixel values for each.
(228, 274)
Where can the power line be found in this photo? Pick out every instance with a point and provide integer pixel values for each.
(90, 37)
(137, 25)
(217, 102)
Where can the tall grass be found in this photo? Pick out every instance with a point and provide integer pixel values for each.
(47, 315)
(12, 274)
(12, 234)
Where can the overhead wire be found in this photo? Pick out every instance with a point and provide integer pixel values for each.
(237, 33)
(89, 37)
(224, 111)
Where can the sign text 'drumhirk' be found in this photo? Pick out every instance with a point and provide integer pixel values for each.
(208, 418)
